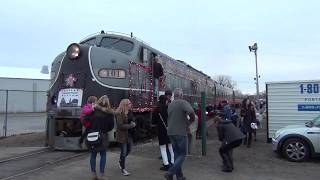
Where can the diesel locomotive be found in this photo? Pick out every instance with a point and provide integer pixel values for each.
(119, 66)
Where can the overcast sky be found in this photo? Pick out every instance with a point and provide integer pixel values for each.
(212, 36)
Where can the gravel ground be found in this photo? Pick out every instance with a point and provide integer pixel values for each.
(21, 123)
(24, 140)
(256, 163)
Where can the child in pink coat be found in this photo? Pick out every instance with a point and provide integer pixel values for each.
(86, 110)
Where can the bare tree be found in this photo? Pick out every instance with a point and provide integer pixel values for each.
(238, 92)
(226, 81)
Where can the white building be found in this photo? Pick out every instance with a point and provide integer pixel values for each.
(23, 90)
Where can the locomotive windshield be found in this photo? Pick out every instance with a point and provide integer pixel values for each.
(116, 43)
(90, 42)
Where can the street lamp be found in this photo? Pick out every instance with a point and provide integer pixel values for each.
(254, 49)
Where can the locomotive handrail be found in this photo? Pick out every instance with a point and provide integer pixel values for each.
(89, 36)
(127, 35)
(115, 33)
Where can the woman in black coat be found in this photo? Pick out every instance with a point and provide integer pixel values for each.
(248, 116)
(102, 121)
(160, 116)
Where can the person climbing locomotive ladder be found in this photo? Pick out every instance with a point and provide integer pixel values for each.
(157, 71)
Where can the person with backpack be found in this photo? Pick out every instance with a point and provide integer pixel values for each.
(160, 116)
(227, 111)
(234, 117)
(102, 121)
(122, 134)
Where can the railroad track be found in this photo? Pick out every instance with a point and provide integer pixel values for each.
(21, 165)
(25, 155)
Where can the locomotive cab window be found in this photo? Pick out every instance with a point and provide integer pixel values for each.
(144, 55)
(118, 44)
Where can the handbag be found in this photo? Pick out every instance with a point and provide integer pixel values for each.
(164, 124)
(94, 139)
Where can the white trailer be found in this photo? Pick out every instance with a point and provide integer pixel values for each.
(292, 102)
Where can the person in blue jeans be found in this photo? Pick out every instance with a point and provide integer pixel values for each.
(123, 135)
(103, 159)
(102, 114)
(178, 125)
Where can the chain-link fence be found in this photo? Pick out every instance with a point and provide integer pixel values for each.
(22, 111)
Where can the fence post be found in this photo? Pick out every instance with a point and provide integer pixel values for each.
(6, 116)
(203, 124)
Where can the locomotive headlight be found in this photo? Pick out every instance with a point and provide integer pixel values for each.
(73, 51)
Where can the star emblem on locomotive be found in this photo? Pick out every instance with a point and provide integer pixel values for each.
(70, 80)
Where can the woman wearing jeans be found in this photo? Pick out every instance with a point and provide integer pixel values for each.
(101, 118)
(122, 135)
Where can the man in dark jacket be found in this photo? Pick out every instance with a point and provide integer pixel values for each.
(231, 137)
(157, 73)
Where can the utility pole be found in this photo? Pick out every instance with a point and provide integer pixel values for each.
(254, 48)
(203, 124)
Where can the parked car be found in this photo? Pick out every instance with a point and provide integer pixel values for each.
(298, 142)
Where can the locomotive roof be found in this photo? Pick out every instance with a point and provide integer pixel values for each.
(142, 43)
(126, 37)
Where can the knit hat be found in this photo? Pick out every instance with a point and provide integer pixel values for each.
(195, 105)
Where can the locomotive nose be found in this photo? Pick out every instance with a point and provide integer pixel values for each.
(108, 65)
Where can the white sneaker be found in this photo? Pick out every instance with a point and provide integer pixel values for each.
(125, 172)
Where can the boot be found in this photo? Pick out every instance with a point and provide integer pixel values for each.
(181, 178)
(226, 170)
(102, 177)
(231, 158)
(94, 176)
(245, 141)
(165, 167)
(168, 176)
(227, 163)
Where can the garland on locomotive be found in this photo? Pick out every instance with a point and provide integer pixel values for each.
(118, 66)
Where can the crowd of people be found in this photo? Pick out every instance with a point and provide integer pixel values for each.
(174, 120)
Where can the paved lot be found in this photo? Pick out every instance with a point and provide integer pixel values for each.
(256, 163)
(23, 123)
